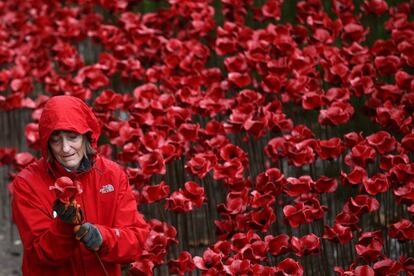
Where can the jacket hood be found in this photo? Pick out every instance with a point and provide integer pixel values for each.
(67, 113)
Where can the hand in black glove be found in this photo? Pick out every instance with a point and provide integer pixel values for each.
(69, 214)
(90, 236)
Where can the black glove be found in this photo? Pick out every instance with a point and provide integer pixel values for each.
(69, 214)
(90, 236)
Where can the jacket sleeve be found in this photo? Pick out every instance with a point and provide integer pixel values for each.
(124, 242)
(46, 240)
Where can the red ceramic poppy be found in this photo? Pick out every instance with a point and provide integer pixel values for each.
(336, 114)
(272, 9)
(301, 153)
(150, 194)
(183, 264)
(338, 233)
(195, 193)
(329, 149)
(67, 57)
(271, 181)
(237, 267)
(262, 200)
(336, 94)
(382, 141)
(362, 270)
(22, 159)
(297, 186)
(404, 173)
(230, 171)
(7, 156)
(349, 220)
(387, 65)
(369, 245)
(236, 202)
(408, 142)
(108, 100)
(376, 7)
(309, 244)
(393, 117)
(387, 267)
(360, 155)
(178, 202)
(275, 148)
(93, 77)
(355, 177)
(389, 161)
(289, 267)
(259, 220)
(354, 32)
(297, 214)
(326, 185)
(408, 264)
(278, 245)
(152, 163)
(361, 204)
(66, 190)
(201, 164)
(376, 184)
(351, 139)
(402, 230)
(210, 259)
(143, 266)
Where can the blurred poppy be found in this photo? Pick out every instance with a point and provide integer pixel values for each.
(31, 132)
(22, 159)
(230, 171)
(382, 141)
(289, 267)
(306, 245)
(178, 202)
(195, 193)
(329, 149)
(402, 230)
(182, 265)
(336, 114)
(278, 245)
(201, 163)
(152, 163)
(376, 7)
(326, 185)
(355, 177)
(210, 259)
(360, 155)
(361, 204)
(387, 267)
(297, 214)
(237, 267)
(338, 233)
(7, 156)
(150, 194)
(369, 245)
(378, 183)
(297, 186)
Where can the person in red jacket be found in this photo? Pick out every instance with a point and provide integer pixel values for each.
(112, 231)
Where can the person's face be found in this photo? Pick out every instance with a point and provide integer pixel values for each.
(68, 148)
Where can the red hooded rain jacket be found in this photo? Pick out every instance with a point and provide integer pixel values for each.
(107, 201)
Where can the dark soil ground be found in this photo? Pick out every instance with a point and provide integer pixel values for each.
(10, 245)
(10, 250)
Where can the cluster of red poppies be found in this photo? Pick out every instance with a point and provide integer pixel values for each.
(180, 82)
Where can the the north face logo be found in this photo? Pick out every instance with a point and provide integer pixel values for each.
(106, 189)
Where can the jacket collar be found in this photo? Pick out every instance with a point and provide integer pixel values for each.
(57, 170)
